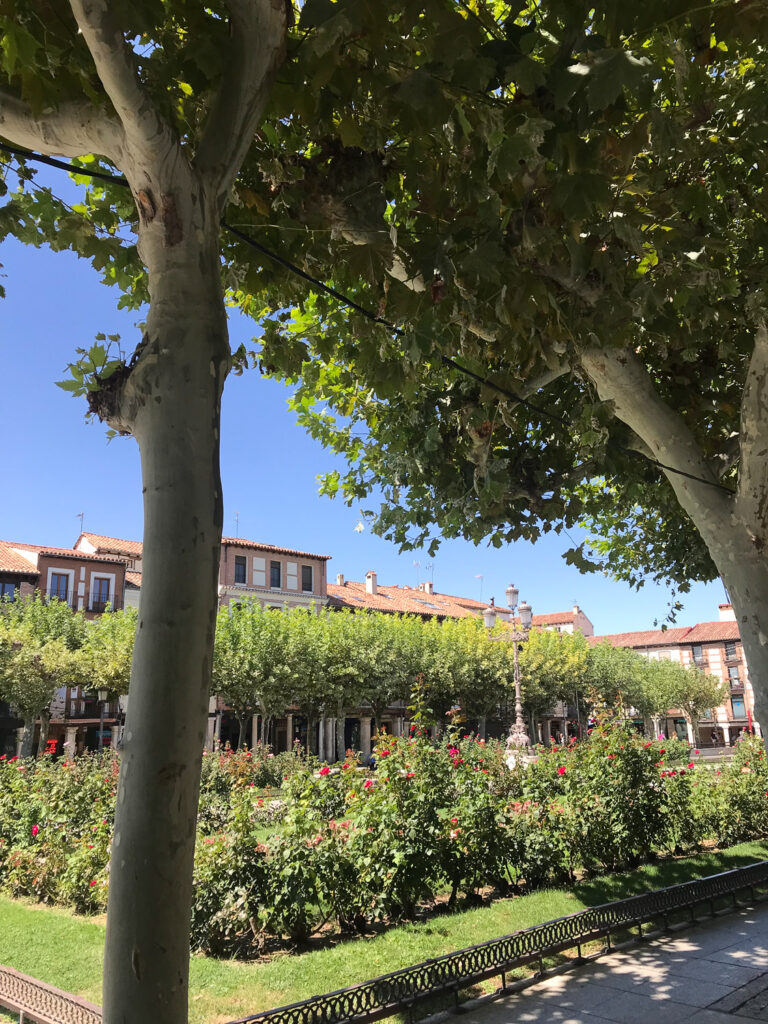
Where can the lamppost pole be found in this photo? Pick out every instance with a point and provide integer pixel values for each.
(518, 738)
(518, 734)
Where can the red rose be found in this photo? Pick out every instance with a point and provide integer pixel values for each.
(561, 770)
(325, 770)
(35, 829)
(368, 783)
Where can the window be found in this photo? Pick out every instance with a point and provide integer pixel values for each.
(241, 569)
(698, 653)
(59, 585)
(274, 575)
(730, 651)
(737, 707)
(733, 674)
(100, 595)
(306, 578)
(8, 591)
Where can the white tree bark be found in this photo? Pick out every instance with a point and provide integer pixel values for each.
(169, 400)
(27, 738)
(734, 527)
(170, 403)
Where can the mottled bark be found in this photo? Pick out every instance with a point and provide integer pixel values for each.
(734, 526)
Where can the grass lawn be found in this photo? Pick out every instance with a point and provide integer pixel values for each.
(65, 950)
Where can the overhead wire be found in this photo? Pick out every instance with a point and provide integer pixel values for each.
(369, 314)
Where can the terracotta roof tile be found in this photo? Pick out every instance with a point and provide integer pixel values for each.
(712, 632)
(103, 543)
(644, 638)
(412, 601)
(133, 577)
(403, 600)
(43, 549)
(553, 618)
(259, 546)
(12, 561)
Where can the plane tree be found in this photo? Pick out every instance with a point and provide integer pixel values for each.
(563, 300)
(533, 191)
(177, 108)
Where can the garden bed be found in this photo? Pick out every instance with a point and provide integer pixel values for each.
(338, 852)
(65, 949)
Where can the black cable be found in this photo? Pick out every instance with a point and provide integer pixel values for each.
(63, 165)
(367, 313)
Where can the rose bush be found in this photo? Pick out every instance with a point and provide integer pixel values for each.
(286, 845)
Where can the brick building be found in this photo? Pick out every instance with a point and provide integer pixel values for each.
(248, 569)
(88, 582)
(716, 648)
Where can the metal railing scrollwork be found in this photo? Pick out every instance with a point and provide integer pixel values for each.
(400, 990)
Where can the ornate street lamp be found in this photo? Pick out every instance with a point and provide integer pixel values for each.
(518, 741)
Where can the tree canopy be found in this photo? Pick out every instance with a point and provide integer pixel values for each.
(552, 212)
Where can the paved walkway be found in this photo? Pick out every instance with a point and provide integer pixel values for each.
(714, 973)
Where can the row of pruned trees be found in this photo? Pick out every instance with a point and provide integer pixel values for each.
(45, 646)
(268, 661)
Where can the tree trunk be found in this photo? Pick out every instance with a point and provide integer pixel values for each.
(341, 722)
(733, 526)
(241, 723)
(481, 726)
(170, 402)
(27, 737)
(45, 721)
(311, 745)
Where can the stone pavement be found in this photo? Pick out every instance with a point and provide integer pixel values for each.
(713, 973)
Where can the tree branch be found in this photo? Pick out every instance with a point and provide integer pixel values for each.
(71, 130)
(621, 378)
(147, 133)
(257, 48)
(753, 472)
(725, 460)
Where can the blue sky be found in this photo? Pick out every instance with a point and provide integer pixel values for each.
(55, 465)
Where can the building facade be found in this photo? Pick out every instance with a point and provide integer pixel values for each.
(87, 582)
(715, 648)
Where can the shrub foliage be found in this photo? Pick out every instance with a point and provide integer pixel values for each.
(286, 845)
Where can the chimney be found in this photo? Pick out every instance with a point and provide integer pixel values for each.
(727, 613)
(427, 587)
(340, 579)
(576, 609)
(370, 582)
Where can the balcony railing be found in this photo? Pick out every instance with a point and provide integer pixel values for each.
(97, 602)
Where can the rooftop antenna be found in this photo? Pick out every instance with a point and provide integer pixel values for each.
(416, 572)
(430, 567)
(480, 577)
(81, 517)
(237, 524)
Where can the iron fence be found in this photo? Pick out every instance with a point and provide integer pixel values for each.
(454, 973)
